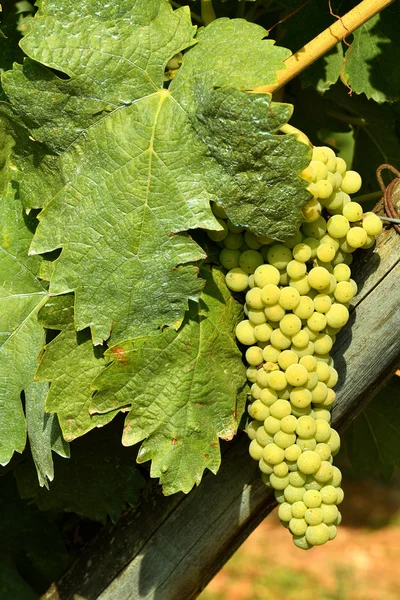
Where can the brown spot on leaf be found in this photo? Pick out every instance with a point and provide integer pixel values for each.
(174, 441)
(206, 456)
(120, 354)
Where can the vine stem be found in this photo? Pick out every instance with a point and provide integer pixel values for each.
(325, 41)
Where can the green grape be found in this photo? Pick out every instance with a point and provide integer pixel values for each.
(280, 409)
(319, 169)
(234, 228)
(312, 499)
(341, 166)
(330, 399)
(253, 299)
(300, 397)
(327, 239)
(312, 380)
(255, 391)
(312, 485)
(323, 343)
(292, 453)
(351, 182)
(309, 349)
(273, 455)
(323, 371)
(281, 470)
(312, 244)
(302, 252)
(218, 211)
(322, 303)
(306, 427)
(314, 230)
(338, 226)
(301, 542)
(353, 212)
(337, 315)
(254, 356)
(332, 285)
(284, 279)
(249, 261)
(346, 248)
(312, 210)
(340, 494)
(251, 281)
(301, 285)
(289, 298)
(265, 275)
(279, 483)
(271, 354)
(323, 430)
(279, 496)
(325, 188)
(284, 440)
(372, 223)
(280, 340)
(229, 259)
(293, 494)
(218, 236)
(264, 467)
(309, 462)
(255, 450)
(335, 179)
(342, 273)
(252, 429)
(287, 358)
(275, 312)
(294, 240)
(301, 339)
(259, 411)
(251, 240)
(290, 325)
(268, 396)
(305, 308)
(237, 280)
(285, 511)
(288, 424)
(336, 476)
(316, 323)
(296, 269)
(319, 393)
(329, 513)
(332, 532)
(334, 442)
(323, 449)
(298, 509)
(322, 153)
(317, 535)
(324, 473)
(329, 494)
(333, 378)
(262, 379)
(272, 425)
(257, 317)
(296, 375)
(354, 285)
(263, 332)
(326, 253)
(279, 256)
(318, 278)
(262, 437)
(297, 526)
(356, 237)
(270, 294)
(245, 333)
(309, 362)
(313, 516)
(306, 444)
(233, 241)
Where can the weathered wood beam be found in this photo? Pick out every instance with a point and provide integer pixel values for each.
(170, 548)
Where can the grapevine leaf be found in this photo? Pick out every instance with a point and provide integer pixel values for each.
(28, 539)
(372, 65)
(99, 479)
(21, 336)
(70, 362)
(145, 173)
(182, 388)
(43, 432)
(373, 438)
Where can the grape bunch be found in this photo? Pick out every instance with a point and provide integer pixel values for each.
(297, 298)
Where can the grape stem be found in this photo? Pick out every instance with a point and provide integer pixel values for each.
(325, 41)
(390, 220)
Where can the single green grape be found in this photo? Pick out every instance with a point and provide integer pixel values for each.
(317, 535)
(245, 333)
(305, 308)
(271, 354)
(287, 358)
(317, 322)
(302, 252)
(254, 300)
(266, 274)
(274, 312)
(353, 212)
(280, 340)
(312, 210)
(356, 237)
(237, 280)
(323, 449)
(337, 315)
(279, 256)
(351, 182)
(292, 453)
(273, 455)
(285, 511)
(300, 339)
(342, 273)
(309, 462)
(229, 259)
(309, 362)
(277, 380)
(233, 241)
(338, 226)
(296, 375)
(284, 440)
(298, 526)
(301, 285)
(290, 325)
(306, 427)
(288, 424)
(314, 230)
(300, 397)
(249, 261)
(372, 224)
(325, 252)
(270, 294)
(289, 298)
(254, 356)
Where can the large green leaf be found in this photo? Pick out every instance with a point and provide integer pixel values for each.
(373, 439)
(372, 66)
(21, 336)
(146, 160)
(70, 362)
(182, 388)
(99, 479)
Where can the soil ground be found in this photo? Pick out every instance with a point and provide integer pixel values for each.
(362, 563)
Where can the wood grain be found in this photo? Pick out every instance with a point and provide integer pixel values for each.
(170, 548)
